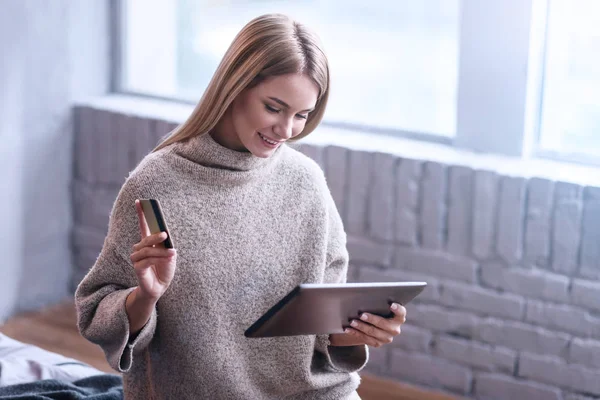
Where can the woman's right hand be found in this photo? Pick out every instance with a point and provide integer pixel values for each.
(154, 265)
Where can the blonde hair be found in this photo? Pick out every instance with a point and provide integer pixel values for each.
(269, 45)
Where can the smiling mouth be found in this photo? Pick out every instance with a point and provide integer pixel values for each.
(267, 140)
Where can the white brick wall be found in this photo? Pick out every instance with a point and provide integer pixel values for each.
(512, 310)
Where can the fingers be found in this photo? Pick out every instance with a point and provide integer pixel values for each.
(375, 330)
(399, 313)
(148, 262)
(392, 325)
(364, 338)
(374, 333)
(151, 240)
(144, 230)
(147, 252)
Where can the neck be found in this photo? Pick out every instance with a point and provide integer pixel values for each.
(224, 133)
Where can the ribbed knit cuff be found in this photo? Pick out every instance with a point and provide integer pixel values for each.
(343, 358)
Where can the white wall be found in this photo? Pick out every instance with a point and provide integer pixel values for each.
(53, 53)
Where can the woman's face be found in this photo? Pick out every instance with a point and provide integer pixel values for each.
(263, 117)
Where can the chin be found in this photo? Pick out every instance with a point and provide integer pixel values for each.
(262, 154)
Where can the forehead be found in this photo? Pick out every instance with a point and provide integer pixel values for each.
(299, 91)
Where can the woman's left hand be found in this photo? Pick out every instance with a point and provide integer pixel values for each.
(371, 330)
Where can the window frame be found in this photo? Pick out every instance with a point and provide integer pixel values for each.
(513, 65)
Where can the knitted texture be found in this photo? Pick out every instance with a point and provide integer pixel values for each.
(247, 231)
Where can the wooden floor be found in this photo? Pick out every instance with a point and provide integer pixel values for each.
(54, 329)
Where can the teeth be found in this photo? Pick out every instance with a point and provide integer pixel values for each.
(267, 140)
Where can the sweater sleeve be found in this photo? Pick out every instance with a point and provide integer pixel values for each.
(100, 297)
(349, 358)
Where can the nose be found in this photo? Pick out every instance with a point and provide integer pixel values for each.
(284, 129)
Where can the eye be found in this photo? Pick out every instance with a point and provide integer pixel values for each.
(271, 109)
(301, 116)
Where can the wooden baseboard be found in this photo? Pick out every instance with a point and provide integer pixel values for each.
(375, 388)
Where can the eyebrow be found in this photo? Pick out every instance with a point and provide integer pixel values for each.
(283, 103)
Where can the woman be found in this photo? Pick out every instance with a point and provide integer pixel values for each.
(251, 219)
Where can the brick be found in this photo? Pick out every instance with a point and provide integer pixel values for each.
(381, 201)
(482, 301)
(520, 336)
(434, 263)
(123, 132)
(484, 213)
(476, 355)
(111, 150)
(430, 371)
(92, 204)
(566, 227)
(312, 151)
(88, 238)
(590, 250)
(430, 294)
(367, 252)
(414, 338)
(361, 169)
(433, 206)
(162, 129)
(83, 260)
(509, 239)
(460, 206)
(141, 140)
(352, 274)
(408, 173)
(84, 144)
(538, 222)
(585, 352)
(378, 360)
(537, 284)
(76, 278)
(443, 320)
(555, 371)
(562, 317)
(172, 126)
(586, 294)
(501, 387)
(336, 168)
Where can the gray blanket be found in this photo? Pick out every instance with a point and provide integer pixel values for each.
(97, 387)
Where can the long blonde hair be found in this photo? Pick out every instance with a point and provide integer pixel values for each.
(269, 45)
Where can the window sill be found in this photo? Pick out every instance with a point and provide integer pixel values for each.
(175, 112)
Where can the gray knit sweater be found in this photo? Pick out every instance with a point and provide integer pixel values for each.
(247, 231)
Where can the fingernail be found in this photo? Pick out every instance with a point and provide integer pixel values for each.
(354, 323)
(347, 330)
(364, 317)
(394, 306)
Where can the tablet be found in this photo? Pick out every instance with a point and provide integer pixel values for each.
(311, 309)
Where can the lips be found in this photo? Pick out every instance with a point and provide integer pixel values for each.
(270, 142)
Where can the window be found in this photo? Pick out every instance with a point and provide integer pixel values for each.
(512, 77)
(570, 120)
(393, 67)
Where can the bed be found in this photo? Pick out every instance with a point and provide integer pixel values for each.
(29, 372)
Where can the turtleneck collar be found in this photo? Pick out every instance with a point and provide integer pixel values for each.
(210, 158)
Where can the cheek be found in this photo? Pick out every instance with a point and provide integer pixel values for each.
(243, 119)
(262, 119)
